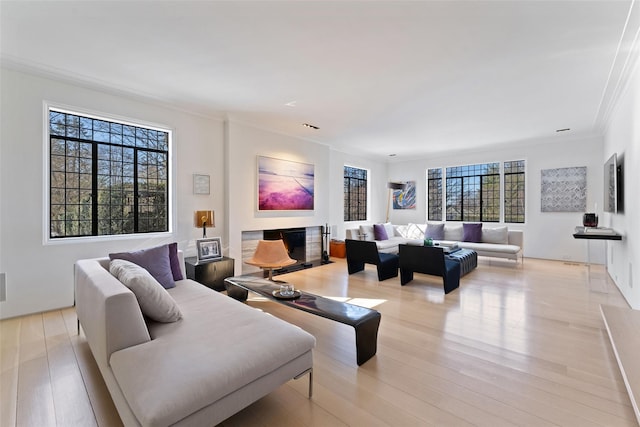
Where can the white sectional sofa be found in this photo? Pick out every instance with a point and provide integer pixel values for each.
(220, 357)
(495, 241)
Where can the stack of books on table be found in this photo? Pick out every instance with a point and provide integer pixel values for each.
(598, 230)
(447, 244)
(450, 248)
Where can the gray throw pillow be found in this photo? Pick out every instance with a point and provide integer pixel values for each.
(434, 231)
(154, 300)
(499, 235)
(155, 260)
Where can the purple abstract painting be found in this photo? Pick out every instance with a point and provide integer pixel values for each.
(284, 185)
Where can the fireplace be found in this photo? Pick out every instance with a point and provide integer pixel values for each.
(295, 240)
(304, 244)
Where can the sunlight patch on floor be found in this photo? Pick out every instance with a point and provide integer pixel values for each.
(362, 302)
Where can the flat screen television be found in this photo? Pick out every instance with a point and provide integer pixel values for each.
(613, 184)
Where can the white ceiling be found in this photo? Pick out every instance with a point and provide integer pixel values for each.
(378, 77)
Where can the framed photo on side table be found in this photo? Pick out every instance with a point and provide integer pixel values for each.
(209, 249)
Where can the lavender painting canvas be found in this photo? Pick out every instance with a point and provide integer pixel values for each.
(284, 185)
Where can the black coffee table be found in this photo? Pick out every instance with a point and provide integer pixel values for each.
(364, 320)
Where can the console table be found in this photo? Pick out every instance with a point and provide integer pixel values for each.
(364, 320)
(594, 233)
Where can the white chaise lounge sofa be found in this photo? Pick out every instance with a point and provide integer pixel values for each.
(495, 241)
(220, 357)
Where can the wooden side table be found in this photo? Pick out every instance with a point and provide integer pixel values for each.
(337, 248)
(210, 273)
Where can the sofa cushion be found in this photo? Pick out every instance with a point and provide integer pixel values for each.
(391, 243)
(390, 229)
(499, 235)
(434, 231)
(488, 248)
(366, 232)
(415, 231)
(472, 232)
(174, 261)
(453, 232)
(155, 260)
(154, 300)
(379, 232)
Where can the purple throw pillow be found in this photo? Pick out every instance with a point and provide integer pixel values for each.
(155, 260)
(379, 232)
(434, 231)
(174, 261)
(472, 232)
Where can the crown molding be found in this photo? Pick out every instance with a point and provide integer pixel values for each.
(622, 68)
(75, 79)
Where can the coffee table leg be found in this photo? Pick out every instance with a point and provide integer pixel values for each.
(367, 339)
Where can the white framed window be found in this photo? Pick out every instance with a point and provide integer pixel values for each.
(106, 177)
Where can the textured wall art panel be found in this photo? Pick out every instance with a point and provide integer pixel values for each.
(564, 190)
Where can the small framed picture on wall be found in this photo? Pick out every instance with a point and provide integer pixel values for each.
(201, 184)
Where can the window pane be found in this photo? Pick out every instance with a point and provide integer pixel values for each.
(355, 194)
(454, 199)
(475, 192)
(434, 194)
(97, 158)
(514, 191)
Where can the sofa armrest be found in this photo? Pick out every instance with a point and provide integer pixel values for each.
(107, 310)
(516, 237)
(352, 233)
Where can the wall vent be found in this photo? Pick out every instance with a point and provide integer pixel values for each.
(3, 287)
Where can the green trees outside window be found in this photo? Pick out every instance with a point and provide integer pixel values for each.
(355, 194)
(106, 178)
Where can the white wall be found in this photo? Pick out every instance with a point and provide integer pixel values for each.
(377, 200)
(40, 277)
(623, 137)
(546, 235)
(243, 144)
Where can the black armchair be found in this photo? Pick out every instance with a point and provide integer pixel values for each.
(361, 252)
(428, 260)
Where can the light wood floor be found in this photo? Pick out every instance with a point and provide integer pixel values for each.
(521, 345)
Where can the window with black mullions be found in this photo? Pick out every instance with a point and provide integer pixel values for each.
(355, 194)
(514, 191)
(473, 193)
(106, 178)
(434, 194)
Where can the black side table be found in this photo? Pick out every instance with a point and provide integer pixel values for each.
(210, 273)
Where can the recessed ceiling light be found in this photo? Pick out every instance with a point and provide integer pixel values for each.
(291, 103)
(563, 130)
(310, 126)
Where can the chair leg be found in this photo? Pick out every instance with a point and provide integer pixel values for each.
(405, 276)
(387, 271)
(354, 267)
